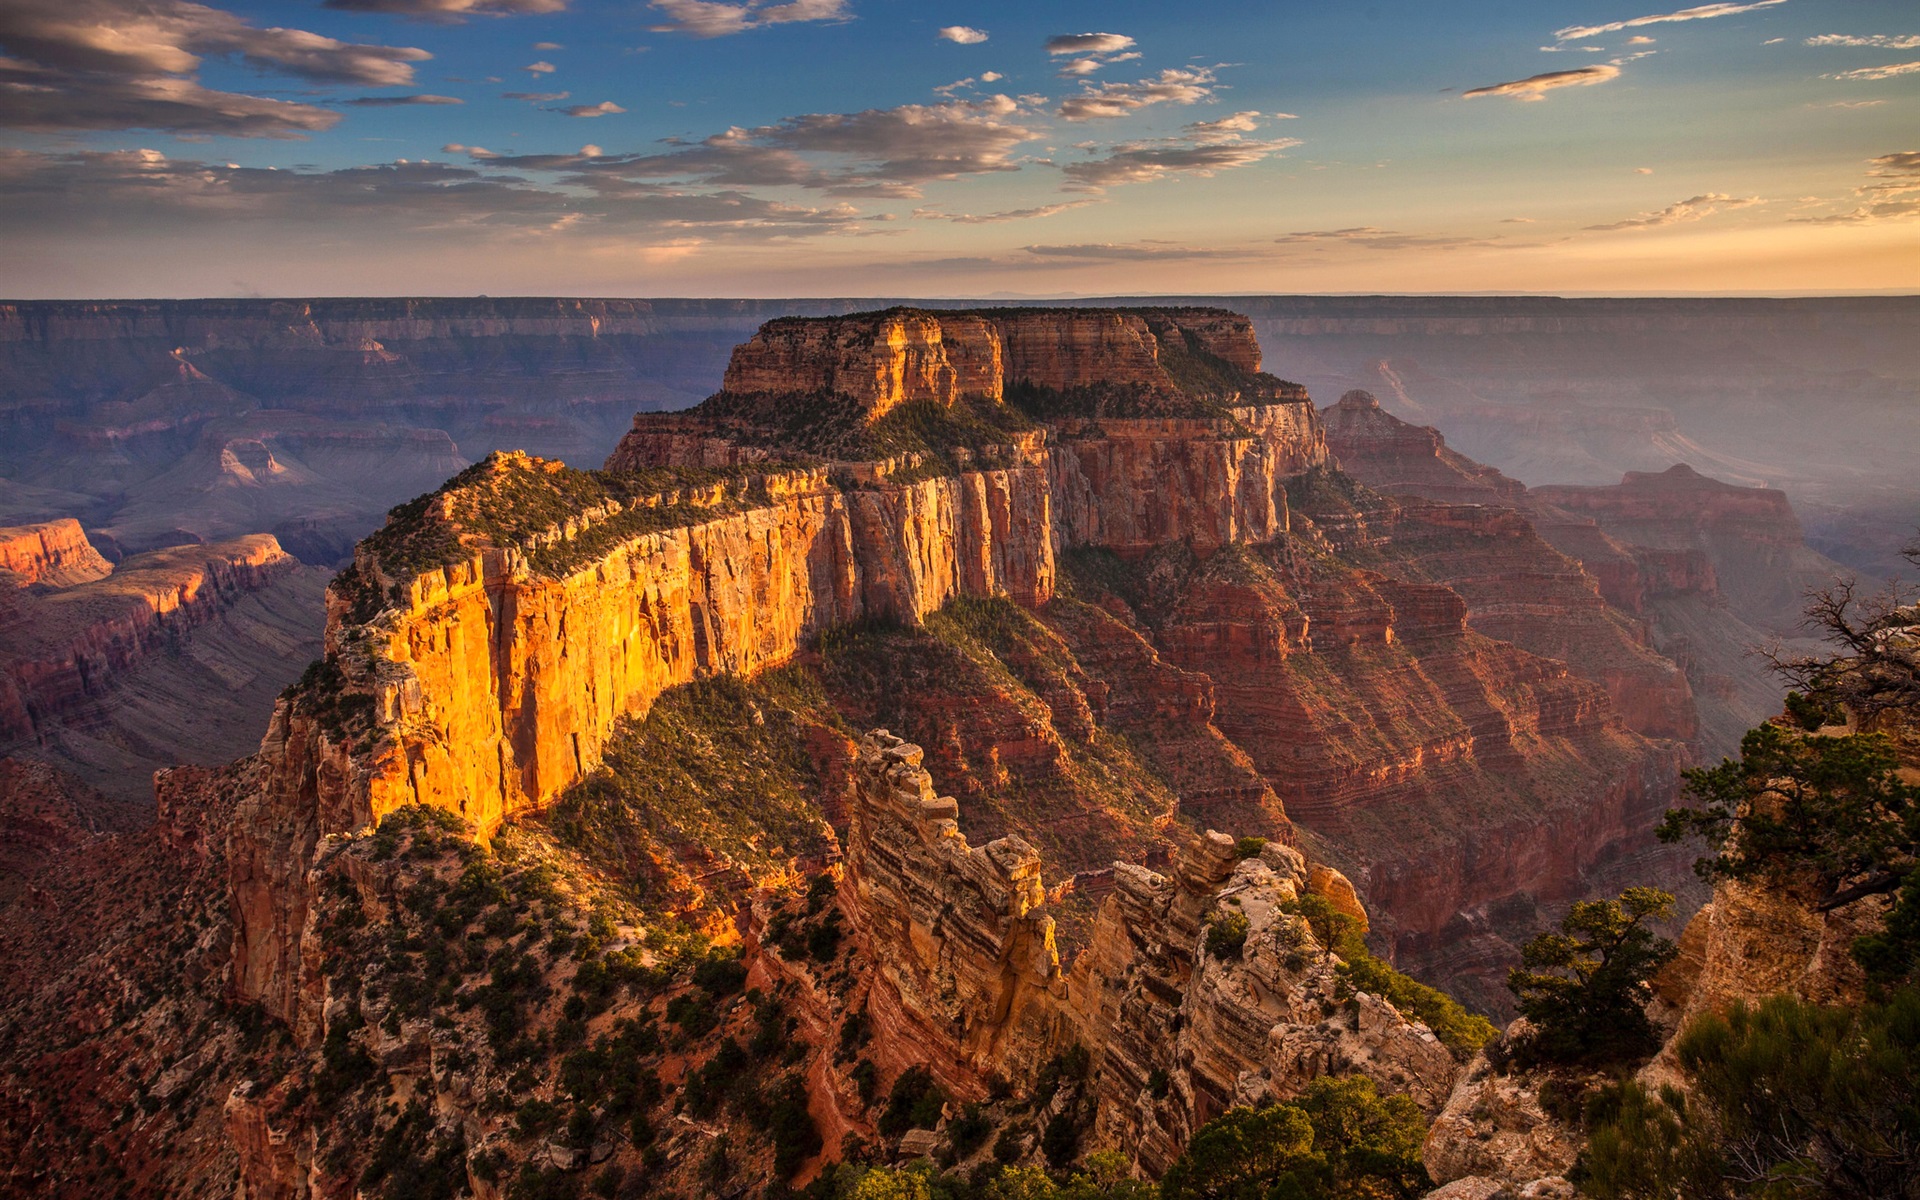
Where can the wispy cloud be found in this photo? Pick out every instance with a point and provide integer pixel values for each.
(708, 19)
(965, 35)
(605, 108)
(886, 153)
(1881, 41)
(1175, 85)
(1089, 43)
(1890, 71)
(91, 191)
(536, 97)
(1090, 51)
(450, 10)
(1891, 193)
(1693, 208)
(1536, 87)
(1701, 13)
(400, 101)
(1146, 161)
(1000, 218)
(1142, 251)
(1240, 122)
(1369, 237)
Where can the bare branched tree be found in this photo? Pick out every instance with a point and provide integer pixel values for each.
(1874, 665)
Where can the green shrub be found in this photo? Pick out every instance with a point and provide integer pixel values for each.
(1227, 935)
(1786, 1099)
(1585, 987)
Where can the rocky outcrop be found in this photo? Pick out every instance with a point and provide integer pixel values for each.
(54, 553)
(1494, 1137)
(969, 984)
(489, 669)
(1398, 458)
(1749, 537)
(966, 961)
(1527, 578)
(882, 360)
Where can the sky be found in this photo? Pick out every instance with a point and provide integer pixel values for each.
(155, 148)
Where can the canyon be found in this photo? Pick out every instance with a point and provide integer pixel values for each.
(1187, 653)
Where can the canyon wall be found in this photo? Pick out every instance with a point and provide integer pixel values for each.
(1461, 780)
(67, 642)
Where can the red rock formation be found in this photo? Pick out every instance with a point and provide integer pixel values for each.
(493, 681)
(55, 553)
(1397, 458)
(1517, 586)
(1749, 537)
(65, 646)
(969, 985)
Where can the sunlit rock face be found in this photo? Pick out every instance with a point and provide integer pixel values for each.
(490, 640)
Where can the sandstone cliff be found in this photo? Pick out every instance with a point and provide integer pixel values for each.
(55, 553)
(485, 646)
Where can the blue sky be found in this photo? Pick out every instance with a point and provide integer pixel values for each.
(865, 147)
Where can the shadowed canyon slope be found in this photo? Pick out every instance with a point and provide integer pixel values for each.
(170, 656)
(1695, 574)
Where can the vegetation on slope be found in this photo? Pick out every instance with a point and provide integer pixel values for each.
(1784, 1100)
(835, 426)
(512, 501)
(991, 694)
(715, 778)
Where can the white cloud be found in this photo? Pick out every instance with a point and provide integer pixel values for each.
(1693, 208)
(1643, 170)
(1240, 122)
(1175, 85)
(1700, 13)
(605, 108)
(991, 77)
(709, 19)
(964, 35)
(1881, 41)
(540, 68)
(535, 97)
(1639, 39)
(1536, 87)
(548, 46)
(1089, 43)
(1891, 70)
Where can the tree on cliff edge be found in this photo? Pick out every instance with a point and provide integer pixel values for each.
(1584, 987)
